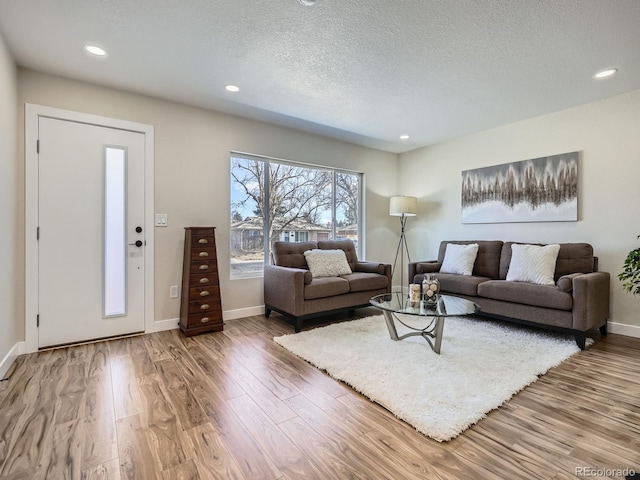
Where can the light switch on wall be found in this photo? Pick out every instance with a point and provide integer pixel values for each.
(162, 220)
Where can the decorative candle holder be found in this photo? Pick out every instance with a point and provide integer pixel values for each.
(414, 294)
(430, 288)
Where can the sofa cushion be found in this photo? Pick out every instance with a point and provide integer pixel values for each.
(363, 282)
(565, 282)
(327, 263)
(548, 296)
(291, 254)
(575, 257)
(460, 284)
(323, 287)
(533, 263)
(346, 245)
(487, 260)
(459, 258)
(572, 258)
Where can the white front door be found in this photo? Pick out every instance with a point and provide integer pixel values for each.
(91, 232)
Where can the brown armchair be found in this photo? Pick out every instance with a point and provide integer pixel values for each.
(290, 288)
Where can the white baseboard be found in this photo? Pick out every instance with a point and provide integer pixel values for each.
(242, 312)
(172, 323)
(623, 329)
(162, 325)
(18, 349)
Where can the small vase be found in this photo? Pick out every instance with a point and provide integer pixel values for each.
(430, 288)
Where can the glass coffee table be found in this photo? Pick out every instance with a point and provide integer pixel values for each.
(425, 319)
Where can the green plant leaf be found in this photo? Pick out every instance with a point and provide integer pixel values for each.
(630, 275)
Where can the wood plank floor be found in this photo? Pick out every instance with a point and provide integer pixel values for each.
(235, 405)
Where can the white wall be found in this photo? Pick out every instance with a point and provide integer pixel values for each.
(11, 276)
(192, 182)
(607, 133)
(192, 148)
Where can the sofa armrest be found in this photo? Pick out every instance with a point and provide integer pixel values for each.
(375, 267)
(424, 266)
(284, 288)
(591, 293)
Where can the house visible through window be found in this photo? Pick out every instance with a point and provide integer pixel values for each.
(292, 202)
(296, 236)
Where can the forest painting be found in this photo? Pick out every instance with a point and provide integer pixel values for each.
(538, 190)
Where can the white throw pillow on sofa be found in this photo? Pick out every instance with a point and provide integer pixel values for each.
(459, 258)
(327, 263)
(533, 263)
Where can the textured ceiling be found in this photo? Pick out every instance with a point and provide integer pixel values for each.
(364, 71)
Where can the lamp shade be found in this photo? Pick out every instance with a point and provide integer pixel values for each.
(403, 205)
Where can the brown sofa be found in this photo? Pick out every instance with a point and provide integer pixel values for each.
(290, 289)
(577, 303)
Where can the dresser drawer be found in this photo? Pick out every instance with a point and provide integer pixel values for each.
(201, 231)
(204, 293)
(204, 266)
(203, 241)
(204, 319)
(204, 306)
(210, 278)
(203, 253)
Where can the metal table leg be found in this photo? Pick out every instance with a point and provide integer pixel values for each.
(433, 331)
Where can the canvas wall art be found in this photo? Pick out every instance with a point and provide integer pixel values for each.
(537, 190)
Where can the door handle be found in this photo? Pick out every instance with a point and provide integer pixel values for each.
(137, 244)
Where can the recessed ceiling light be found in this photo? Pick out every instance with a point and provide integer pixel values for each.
(307, 3)
(232, 88)
(404, 137)
(95, 50)
(605, 73)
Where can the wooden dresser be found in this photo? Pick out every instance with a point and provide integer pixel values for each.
(200, 308)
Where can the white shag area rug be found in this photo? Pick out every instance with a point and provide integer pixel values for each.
(482, 364)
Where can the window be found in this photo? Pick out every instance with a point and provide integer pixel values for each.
(280, 200)
(115, 243)
(295, 236)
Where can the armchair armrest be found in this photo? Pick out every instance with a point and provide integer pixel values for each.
(424, 266)
(284, 288)
(591, 293)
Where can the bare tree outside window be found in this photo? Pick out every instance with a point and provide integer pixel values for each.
(347, 206)
(295, 202)
(298, 194)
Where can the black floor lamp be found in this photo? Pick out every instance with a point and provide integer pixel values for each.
(403, 207)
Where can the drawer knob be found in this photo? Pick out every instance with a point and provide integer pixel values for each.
(203, 267)
(205, 319)
(204, 306)
(203, 240)
(204, 280)
(204, 293)
(203, 254)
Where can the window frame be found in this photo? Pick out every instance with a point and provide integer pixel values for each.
(266, 222)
